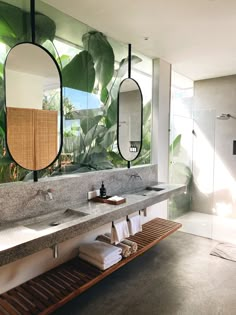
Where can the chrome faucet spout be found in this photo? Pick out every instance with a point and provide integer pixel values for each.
(47, 194)
(135, 176)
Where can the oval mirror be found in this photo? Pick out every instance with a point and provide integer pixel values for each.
(130, 119)
(33, 97)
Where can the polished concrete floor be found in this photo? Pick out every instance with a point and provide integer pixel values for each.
(208, 225)
(177, 276)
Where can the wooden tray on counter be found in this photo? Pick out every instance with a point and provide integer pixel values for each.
(105, 200)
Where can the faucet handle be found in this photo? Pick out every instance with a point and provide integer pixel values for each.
(50, 191)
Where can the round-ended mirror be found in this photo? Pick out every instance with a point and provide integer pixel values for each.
(130, 119)
(33, 97)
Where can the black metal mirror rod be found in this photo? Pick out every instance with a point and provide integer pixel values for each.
(32, 23)
(129, 76)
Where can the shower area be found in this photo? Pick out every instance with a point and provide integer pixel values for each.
(203, 156)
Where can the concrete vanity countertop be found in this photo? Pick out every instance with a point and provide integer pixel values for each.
(19, 239)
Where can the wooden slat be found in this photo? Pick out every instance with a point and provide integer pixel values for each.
(31, 308)
(8, 308)
(15, 303)
(44, 291)
(28, 296)
(47, 292)
(49, 286)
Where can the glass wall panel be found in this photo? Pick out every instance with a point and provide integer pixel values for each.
(181, 143)
(192, 159)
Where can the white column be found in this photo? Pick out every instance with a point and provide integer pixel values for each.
(160, 128)
(161, 117)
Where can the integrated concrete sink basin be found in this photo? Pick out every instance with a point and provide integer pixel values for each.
(149, 190)
(54, 219)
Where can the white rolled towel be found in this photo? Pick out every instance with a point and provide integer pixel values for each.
(102, 252)
(98, 264)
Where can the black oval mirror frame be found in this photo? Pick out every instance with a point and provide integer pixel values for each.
(136, 145)
(60, 107)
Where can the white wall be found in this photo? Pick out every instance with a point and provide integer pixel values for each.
(24, 90)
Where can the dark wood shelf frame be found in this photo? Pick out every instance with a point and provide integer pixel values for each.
(49, 291)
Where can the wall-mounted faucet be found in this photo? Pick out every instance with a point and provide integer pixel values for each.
(134, 176)
(47, 194)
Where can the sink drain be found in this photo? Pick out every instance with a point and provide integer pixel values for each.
(54, 223)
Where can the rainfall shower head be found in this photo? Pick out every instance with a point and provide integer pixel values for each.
(224, 116)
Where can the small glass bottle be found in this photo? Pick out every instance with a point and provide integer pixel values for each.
(103, 192)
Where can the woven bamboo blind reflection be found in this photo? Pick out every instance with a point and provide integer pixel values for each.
(45, 130)
(32, 136)
(20, 135)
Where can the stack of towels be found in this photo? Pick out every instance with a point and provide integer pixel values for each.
(100, 254)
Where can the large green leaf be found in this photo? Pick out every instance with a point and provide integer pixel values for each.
(51, 48)
(116, 159)
(79, 74)
(45, 28)
(103, 56)
(104, 95)
(109, 137)
(87, 123)
(175, 146)
(6, 160)
(96, 149)
(2, 117)
(1, 71)
(2, 132)
(63, 60)
(123, 68)
(99, 161)
(15, 26)
(92, 134)
(12, 24)
(147, 112)
(111, 117)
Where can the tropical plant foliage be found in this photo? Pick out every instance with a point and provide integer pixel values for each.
(92, 70)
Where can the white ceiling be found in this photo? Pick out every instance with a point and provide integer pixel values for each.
(28, 59)
(196, 36)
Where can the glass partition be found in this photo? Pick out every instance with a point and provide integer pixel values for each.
(192, 159)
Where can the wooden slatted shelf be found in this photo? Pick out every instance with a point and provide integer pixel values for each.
(49, 291)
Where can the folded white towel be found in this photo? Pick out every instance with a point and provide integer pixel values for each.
(98, 264)
(116, 198)
(119, 231)
(135, 224)
(100, 251)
